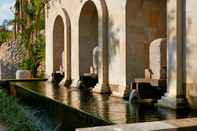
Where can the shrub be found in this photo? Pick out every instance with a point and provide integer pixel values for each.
(5, 36)
(12, 114)
(37, 56)
(20, 118)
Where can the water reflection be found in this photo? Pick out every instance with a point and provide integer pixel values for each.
(109, 108)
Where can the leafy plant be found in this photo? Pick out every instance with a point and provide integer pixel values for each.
(37, 56)
(31, 40)
(18, 117)
(5, 36)
(12, 114)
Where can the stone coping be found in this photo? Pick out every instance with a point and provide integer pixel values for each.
(21, 80)
(2, 127)
(188, 124)
(38, 95)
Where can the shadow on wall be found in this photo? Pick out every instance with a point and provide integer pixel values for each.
(171, 54)
(88, 36)
(113, 41)
(189, 57)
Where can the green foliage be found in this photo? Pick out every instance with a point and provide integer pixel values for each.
(12, 114)
(19, 118)
(5, 36)
(37, 56)
(31, 40)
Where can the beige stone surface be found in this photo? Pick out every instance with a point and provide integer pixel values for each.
(189, 124)
(122, 42)
(176, 92)
(123, 31)
(58, 43)
(157, 57)
(23, 74)
(190, 55)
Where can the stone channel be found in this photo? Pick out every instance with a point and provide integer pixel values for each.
(78, 109)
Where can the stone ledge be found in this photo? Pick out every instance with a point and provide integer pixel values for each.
(173, 103)
(188, 124)
(2, 127)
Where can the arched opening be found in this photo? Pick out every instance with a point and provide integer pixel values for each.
(88, 36)
(58, 45)
(145, 22)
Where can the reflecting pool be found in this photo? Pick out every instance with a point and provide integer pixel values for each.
(106, 107)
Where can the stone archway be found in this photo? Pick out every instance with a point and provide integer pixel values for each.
(88, 36)
(145, 22)
(58, 44)
(98, 15)
(62, 46)
(100, 10)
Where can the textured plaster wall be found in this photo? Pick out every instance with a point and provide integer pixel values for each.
(88, 36)
(132, 26)
(190, 48)
(145, 22)
(116, 42)
(172, 48)
(58, 43)
(116, 36)
(129, 33)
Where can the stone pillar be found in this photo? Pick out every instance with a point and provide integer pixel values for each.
(63, 62)
(66, 55)
(103, 85)
(95, 54)
(175, 97)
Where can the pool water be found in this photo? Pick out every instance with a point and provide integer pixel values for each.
(105, 106)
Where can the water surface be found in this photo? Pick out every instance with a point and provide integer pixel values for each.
(106, 107)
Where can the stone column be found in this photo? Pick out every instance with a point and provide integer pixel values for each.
(75, 76)
(103, 85)
(48, 47)
(67, 51)
(175, 97)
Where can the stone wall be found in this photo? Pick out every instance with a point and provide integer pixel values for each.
(119, 30)
(10, 55)
(190, 52)
(146, 21)
(58, 46)
(88, 38)
(127, 34)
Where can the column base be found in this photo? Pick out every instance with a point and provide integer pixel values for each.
(175, 103)
(74, 83)
(102, 88)
(119, 91)
(50, 78)
(65, 82)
